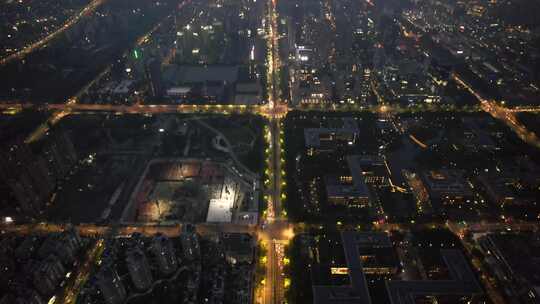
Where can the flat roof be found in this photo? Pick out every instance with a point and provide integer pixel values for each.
(123, 87)
(358, 187)
(247, 99)
(335, 189)
(178, 90)
(463, 280)
(219, 211)
(241, 243)
(312, 135)
(194, 74)
(358, 291)
(248, 87)
(446, 181)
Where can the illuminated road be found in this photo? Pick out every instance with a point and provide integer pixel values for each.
(73, 107)
(275, 232)
(73, 287)
(276, 111)
(93, 230)
(280, 230)
(524, 109)
(496, 111)
(274, 236)
(503, 114)
(67, 108)
(86, 11)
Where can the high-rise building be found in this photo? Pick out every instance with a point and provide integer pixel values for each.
(48, 275)
(111, 286)
(27, 177)
(190, 243)
(163, 250)
(31, 177)
(60, 154)
(153, 73)
(72, 237)
(57, 245)
(31, 297)
(7, 299)
(139, 269)
(379, 59)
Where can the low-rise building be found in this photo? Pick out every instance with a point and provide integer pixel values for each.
(514, 260)
(239, 247)
(448, 186)
(139, 269)
(321, 140)
(372, 168)
(365, 253)
(347, 191)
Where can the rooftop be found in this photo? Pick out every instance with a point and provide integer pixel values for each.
(353, 243)
(335, 188)
(356, 244)
(347, 126)
(447, 182)
(195, 74)
(463, 282)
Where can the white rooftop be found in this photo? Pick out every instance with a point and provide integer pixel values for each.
(219, 211)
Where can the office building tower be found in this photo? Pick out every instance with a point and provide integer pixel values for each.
(111, 286)
(60, 154)
(48, 275)
(190, 243)
(163, 250)
(139, 269)
(27, 177)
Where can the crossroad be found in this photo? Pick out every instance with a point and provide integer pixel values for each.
(275, 236)
(275, 231)
(503, 114)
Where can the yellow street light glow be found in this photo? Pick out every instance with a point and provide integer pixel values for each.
(288, 234)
